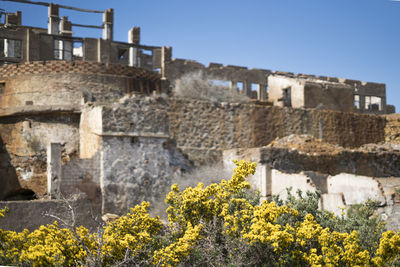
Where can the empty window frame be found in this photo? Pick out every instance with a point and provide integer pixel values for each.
(77, 51)
(10, 48)
(123, 53)
(373, 103)
(63, 49)
(219, 83)
(356, 102)
(239, 86)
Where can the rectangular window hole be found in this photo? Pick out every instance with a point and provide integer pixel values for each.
(254, 87)
(220, 83)
(356, 102)
(239, 86)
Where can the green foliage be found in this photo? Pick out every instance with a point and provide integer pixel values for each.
(358, 218)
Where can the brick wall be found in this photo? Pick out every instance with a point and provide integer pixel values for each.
(57, 66)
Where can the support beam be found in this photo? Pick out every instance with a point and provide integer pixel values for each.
(52, 27)
(133, 38)
(108, 24)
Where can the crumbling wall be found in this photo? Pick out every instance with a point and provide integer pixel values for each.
(25, 141)
(137, 158)
(203, 129)
(252, 82)
(344, 177)
(360, 89)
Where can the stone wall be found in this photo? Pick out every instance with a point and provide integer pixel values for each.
(137, 159)
(392, 129)
(203, 129)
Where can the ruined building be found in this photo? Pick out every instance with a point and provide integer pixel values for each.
(98, 117)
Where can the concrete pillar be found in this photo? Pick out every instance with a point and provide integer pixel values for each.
(362, 102)
(13, 18)
(166, 54)
(265, 183)
(108, 24)
(232, 85)
(65, 27)
(9, 48)
(54, 169)
(53, 21)
(261, 92)
(247, 88)
(133, 38)
(134, 35)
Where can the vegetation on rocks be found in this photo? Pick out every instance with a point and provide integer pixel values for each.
(222, 224)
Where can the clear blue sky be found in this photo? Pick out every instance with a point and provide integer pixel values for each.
(356, 39)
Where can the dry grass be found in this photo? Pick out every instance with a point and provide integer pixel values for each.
(197, 85)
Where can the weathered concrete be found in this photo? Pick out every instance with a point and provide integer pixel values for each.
(310, 93)
(281, 181)
(334, 203)
(356, 189)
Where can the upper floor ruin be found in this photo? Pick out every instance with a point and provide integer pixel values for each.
(20, 44)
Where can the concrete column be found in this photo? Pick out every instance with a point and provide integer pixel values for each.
(53, 21)
(261, 92)
(133, 38)
(54, 169)
(232, 85)
(65, 27)
(9, 48)
(247, 88)
(108, 24)
(166, 54)
(13, 18)
(265, 183)
(362, 102)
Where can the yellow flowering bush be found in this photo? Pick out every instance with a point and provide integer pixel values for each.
(131, 234)
(220, 224)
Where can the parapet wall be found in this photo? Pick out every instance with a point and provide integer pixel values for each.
(203, 129)
(62, 66)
